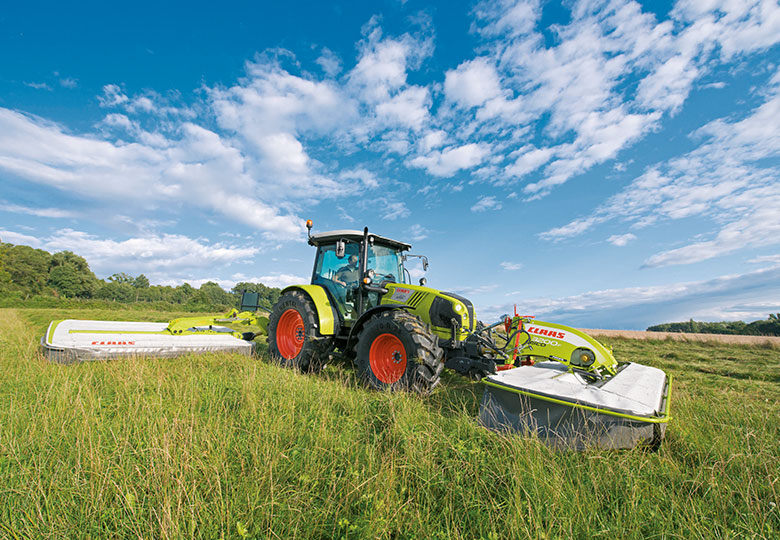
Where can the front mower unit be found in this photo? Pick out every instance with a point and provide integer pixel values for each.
(567, 409)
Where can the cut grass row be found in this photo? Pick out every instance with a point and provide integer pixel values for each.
(224, 446)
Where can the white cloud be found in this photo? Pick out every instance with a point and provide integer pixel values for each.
(381, 69)
(621, 240)
(511, 266)
(473, 83)
(486, 203)
(38, 86)
(392, 210)
(68, 82)
(329, 62)
(447, 162)
(112, 96)
(772, 259)
(528, 160)
(362, 175)
(40, 212)
(408, 108)
(417, 232)
(12, 237)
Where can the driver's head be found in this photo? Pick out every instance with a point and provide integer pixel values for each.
(353, 260)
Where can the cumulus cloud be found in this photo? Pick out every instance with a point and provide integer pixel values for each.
(486, 203)
(329, 62)
(447, 162)
(57, 213)
(13, 237)
(473, 83)
(392, 210)
(511, 266)
(621, 240)
(417, 232)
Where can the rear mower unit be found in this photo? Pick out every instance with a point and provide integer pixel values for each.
(362, 306)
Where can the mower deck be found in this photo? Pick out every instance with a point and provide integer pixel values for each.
(566, 408)
(75, 340)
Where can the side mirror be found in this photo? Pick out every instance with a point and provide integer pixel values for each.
(425, 263)
(340, 248)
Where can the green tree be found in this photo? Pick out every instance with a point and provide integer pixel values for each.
(66, 281)
(121, 277)
(141, 282)
(27, 267)
(70, 276)
(6, 285)
(212, 294)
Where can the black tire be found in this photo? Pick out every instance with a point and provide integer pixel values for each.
(396, 351)
(298, 342)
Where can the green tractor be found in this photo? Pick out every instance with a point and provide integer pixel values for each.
(361, 305)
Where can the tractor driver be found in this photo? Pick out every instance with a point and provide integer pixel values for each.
(347, 276)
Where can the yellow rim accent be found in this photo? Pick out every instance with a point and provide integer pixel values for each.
(52, 326)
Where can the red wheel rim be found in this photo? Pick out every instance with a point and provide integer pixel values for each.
(387, 358)
(290, 334)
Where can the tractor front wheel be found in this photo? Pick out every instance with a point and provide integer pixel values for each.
(293, 337)
(396, 351)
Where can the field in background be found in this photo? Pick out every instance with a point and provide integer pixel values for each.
(224, 446)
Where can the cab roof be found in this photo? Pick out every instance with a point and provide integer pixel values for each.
(356, 236)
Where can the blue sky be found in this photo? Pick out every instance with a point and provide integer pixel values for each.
(600, 164)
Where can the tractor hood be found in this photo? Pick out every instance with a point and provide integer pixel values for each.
(438, 307)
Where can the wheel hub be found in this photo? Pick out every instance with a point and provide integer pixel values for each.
(387, 358)
(290, 334)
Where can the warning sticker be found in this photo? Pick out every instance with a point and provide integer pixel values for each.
(401, 295)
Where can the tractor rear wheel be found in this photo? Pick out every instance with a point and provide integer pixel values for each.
(396, 351)
(294, 339)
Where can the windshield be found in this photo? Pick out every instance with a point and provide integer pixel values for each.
(386, 263)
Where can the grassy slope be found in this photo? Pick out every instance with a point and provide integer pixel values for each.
(221, 446)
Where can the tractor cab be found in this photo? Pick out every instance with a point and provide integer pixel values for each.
(353, 266)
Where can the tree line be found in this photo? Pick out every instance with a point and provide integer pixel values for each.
(27, 274)
(765, 327)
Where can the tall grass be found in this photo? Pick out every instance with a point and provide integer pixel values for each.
(224, 446)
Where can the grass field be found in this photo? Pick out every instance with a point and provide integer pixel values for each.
(225, 446)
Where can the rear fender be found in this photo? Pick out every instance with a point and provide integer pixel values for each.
(326, 311)
(355, 330)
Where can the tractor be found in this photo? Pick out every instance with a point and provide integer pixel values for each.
(361, 305)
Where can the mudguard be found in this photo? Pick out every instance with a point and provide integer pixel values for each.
(326, 312)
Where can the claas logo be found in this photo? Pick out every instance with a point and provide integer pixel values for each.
(545, 332)
(113, 343)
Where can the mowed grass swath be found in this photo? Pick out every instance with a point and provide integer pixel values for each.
(225, 446)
